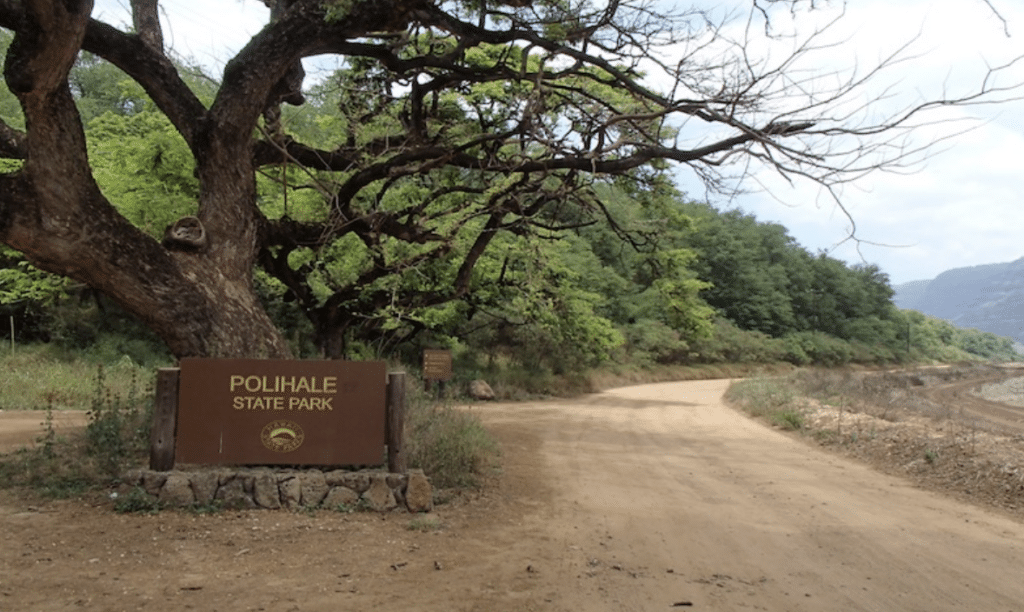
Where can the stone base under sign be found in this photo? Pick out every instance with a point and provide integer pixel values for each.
(289, 489)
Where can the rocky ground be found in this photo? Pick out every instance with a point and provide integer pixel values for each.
(959, 431)
(1010, 391)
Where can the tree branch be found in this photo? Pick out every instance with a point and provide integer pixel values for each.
(146, 18)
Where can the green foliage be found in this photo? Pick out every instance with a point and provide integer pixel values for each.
(27, 296)
(99, 87)
(730, 344)
(49, 308)
(763, 281)
(579, 274)
(762, 395)
(137, 501)
(214, 506)
(286, 314)
(40, 376)
(425, 524)
(986, 345)
(748, 264)
(791, 420)
(932, 339)
(143, 167)
(20, 281)
(676, 292)
(650, 341)
(360, 505)
(118, 428)
(449, 444)
(813, 347)
(10, 108)
(100, 331)
(550, 321)
(55, 473)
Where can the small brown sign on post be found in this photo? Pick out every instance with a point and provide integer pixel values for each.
(242, 411)
(437, 364)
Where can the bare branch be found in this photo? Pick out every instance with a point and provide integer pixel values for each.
(1006, 25)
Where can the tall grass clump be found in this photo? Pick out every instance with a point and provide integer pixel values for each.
(449, 444)
(775, 399)
(118, 429)
(41, 376)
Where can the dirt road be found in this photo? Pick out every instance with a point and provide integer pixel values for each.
(1002, 416)
(21, 427)
(655, 497)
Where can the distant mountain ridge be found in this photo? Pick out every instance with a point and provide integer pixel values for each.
(989, 297)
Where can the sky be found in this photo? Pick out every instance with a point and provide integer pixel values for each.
(961, 206)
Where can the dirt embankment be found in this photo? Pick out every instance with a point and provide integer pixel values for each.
(949, 430)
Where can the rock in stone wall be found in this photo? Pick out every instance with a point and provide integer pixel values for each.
(286, 488)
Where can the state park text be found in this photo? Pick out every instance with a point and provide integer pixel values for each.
(256, 392)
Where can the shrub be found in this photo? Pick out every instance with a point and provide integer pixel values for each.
(115, 437)
(118, 428)
(787, 419)
(730, 344)
(449, 444)
(136, 500)
(819, 348)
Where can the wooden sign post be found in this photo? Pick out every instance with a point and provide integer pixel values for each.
(284, 412)
(437, 366)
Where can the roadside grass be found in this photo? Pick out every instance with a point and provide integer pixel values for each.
(774, 399)
(513, 382)
(425, 524)
(42, 377)
(899, 422)
(882, 395)
(449, 444)
(783, 400)
(624, 375)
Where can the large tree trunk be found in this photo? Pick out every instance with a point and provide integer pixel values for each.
(199, 300)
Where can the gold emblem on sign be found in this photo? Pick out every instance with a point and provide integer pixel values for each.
(282, 436)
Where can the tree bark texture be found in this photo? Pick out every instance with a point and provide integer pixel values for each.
(201, 303)
(146, 19)
(199, 300)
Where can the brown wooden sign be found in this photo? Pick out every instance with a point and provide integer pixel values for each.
(437, 364)
(242, 411)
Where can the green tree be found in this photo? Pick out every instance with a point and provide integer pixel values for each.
(26, 295)
(750, 266)
(441, 99)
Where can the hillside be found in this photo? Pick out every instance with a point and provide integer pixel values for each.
(988, 297)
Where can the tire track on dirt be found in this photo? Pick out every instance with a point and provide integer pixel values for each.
(957, 395)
